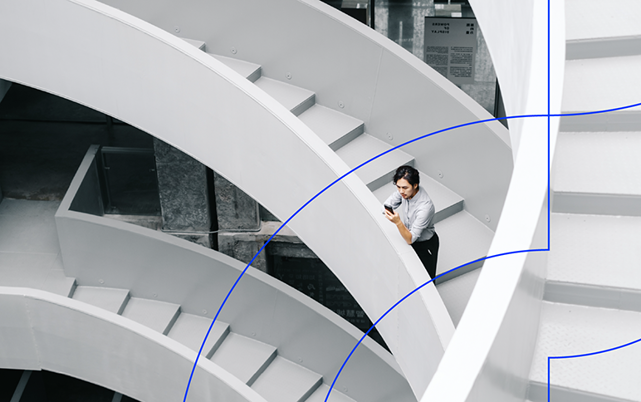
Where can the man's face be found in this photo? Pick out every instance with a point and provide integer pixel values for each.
(406, 189)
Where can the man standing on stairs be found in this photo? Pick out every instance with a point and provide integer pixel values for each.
(418, 229)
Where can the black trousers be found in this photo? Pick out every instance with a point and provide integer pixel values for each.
(428, 253)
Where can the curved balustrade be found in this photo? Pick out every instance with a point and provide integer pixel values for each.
(497, 333)
(356, 71)
(140, 362)
(112, 62)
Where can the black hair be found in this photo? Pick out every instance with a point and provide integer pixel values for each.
(408, 173)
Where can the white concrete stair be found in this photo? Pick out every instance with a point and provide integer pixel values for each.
(190, 330)
(244, 357)
(157, 315)
(285, 381)
(567, 329)
(335, 396)
(334, 128)
(112, 300)
(251, 71)
(294, 98)
(380, 171)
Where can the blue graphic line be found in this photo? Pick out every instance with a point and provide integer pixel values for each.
(411, 293)
(348, 173)
(550, 358)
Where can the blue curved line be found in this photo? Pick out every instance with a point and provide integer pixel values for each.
(411, 293)
(550, 358)
(343, 176)
(595, 353)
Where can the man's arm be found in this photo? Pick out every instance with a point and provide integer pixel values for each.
(394, 218)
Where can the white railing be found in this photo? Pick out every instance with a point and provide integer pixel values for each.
(490, 354)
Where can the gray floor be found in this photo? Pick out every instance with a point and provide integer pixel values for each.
(29, 249)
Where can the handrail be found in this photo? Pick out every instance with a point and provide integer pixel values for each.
(490, 354)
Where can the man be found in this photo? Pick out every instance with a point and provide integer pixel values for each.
(418, 228)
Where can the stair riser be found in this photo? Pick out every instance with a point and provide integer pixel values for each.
(214, 348)
(448, 211)
(306, 104)
(597, 204)
(350, 136)
(261, 369)
(385, 179)
(538, 393)
(461, 271)
(605, 47)
(611, 121)
(594, 296)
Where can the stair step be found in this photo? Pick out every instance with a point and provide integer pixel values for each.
(598, 172)
(243, 357)
(598, 163)
(295, 99)
(456, 292)
(593, 19)
(334, 128)
(590, 258)
(446, 202)
(157, 315)
(567, 329)
(321, 392)
(248, 70)
(113, 300)
(380, 171)
(286, 381)
(463, 239)
(190, 330)
(56, 282)
(199, 44)
(612, 82)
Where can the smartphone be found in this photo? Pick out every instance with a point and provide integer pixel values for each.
(389, 208)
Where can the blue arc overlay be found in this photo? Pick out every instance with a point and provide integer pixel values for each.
(550, 358)
(353, 170)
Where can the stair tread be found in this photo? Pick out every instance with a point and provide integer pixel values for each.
(598, 163)
(331, 126)
(365, 147)
(594, 19)
(286, 381)
(199, 44)
(244, 68)
(463, 239)
(290, 96)
(106, 298)
(457, 292)
(242, 356)
(190, 330)
(567, 329)
(321, 392)
(157, 315)
(595, 250)
(613, 82)
(441, 196)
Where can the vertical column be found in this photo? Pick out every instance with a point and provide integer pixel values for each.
(238, 222)
(184, 195)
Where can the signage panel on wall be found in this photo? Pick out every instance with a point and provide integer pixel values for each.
(450, 47)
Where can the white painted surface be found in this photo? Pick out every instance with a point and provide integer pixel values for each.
(602, 83)
(568, 329)
(594, 19)
(598, 163)
(456, 293)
